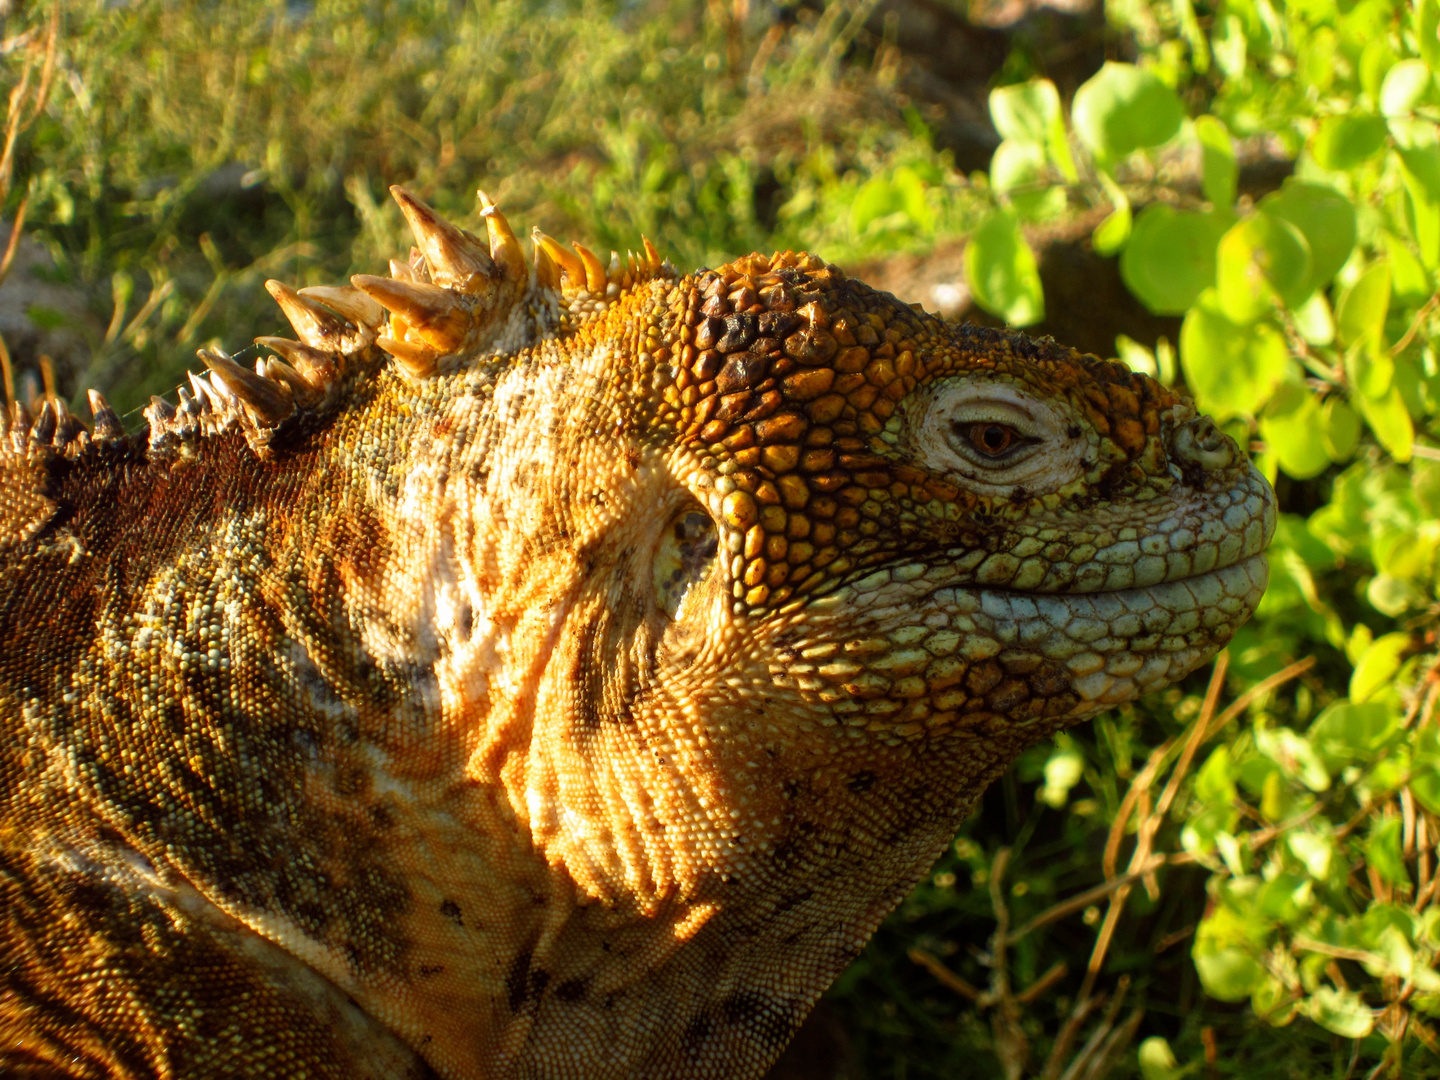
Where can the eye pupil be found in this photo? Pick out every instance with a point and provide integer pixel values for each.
(991, 439)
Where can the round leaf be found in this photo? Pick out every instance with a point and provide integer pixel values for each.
(1343, 142)
(1157, 1060)
(1016, 164)
(1123, 109)
(1292, 429)
(1231, 368)
(1170, 259)
(1325, 218)
(1363, 305)
(1341, 1012)
(1003, 275)
(1026, 112)
(1406, 84)
(1261, 259)
(1228, 974)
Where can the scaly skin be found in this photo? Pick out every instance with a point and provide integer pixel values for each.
(573, 696)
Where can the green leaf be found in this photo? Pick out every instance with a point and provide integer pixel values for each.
(1314, 851)
(1292, 428)
(1341, 143)
(1112, 233)
(1405, 86)
(1214, 784)
(1259, 260)
(1427, 31)
(1324, 216)
(1063, 771)
(1218, 171)
(1002, 273)
(1420, 171)
(1016, 164)
(1157, 1060)
(1341, 1012)
(1364, 304)
(1390, 421)
(1314, 320)
(1123, 109)
(1340, 427)
(1295, 756)
(1382, 851)
(1345, 731)
(1408, 280)
(1231, 368)
(1425, 784)
(1170, 259)
(1227, 973)
(1026, 112)
(1378, 666)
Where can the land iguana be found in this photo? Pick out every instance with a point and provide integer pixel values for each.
(556, 669)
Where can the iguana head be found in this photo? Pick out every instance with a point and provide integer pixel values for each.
(651, 634)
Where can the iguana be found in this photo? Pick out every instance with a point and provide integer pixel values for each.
(556, 668)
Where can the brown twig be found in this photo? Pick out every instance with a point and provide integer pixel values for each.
(1263, 687)
(1415, 324)
(944, 975)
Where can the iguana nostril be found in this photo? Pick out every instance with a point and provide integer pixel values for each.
(1200, 442)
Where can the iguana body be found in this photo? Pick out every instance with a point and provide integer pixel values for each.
(561, 672)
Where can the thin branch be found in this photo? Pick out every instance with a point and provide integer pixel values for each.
(944, 975)
(1415, 324)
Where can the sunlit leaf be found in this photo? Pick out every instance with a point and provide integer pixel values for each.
(1324, 216)
(1228, 973)
(1405, 86)
(1291, 427)
(1378, 666)
(1016, 164)
(1382, 851)
(1342, 1012)
(1427, 31)
(1314, 320)
(1340, 428)
(1364, 304)
(1124, 108)
(1002, 273)
(1261, 259)
(1390, 421)
(1170, 259)
(1231, 368)
(1026, 112)
(1420, 170)
(1218, 171)
(1314, 850)
(1157, 1060)
(1342, 142)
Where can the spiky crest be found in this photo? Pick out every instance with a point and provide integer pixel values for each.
(456, 298)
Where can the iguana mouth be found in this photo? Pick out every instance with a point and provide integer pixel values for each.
(1116, 643)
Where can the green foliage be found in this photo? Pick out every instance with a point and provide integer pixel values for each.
(1309, 317)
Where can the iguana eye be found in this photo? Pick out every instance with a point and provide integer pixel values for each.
(684, 558)
(993, 440)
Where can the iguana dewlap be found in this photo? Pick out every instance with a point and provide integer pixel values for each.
(556, 670)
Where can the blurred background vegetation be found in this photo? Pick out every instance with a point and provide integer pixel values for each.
(1235, 878)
